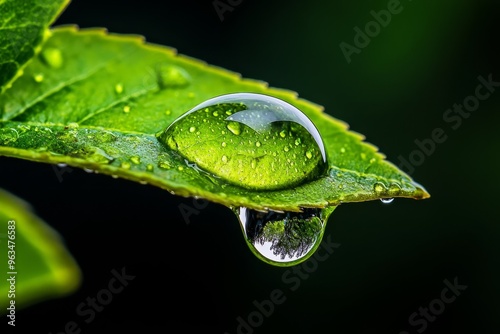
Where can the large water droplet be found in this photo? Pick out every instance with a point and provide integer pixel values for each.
(286, 238)
(267, 139)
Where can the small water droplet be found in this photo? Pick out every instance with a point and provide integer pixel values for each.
(168, 112)
(125, 165)
(126, 109)
(342, 150)
(52, 57)
(283, 238)
(379, 188)
(136, 160)
(257, 120)
(105, 137)
(62, 165)
(8, 136)
(38, 77)
(88, 170)
(171, 143)
(164, 165)
(72, 125)
(180, 168)
(394, 189)
(192, 129)
(386, 200)
(114, 176)
(234, 127)
(150, 168)
(224, 144)
(170, 76)
(119, 88)
(164, 161)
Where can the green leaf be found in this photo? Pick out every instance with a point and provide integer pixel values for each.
(110, 96)
(43, 269)
(23, 28)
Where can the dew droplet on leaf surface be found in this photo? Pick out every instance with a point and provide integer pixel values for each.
(267, 139)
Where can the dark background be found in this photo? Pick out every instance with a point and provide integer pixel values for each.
(200, 277)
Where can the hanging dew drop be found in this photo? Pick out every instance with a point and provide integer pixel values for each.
(283, 238)
(263, 139)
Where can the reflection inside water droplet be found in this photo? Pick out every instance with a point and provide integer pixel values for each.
(283, 238)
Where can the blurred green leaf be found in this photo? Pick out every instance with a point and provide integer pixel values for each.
(23, 28)
(44, 268)
(102, 99)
